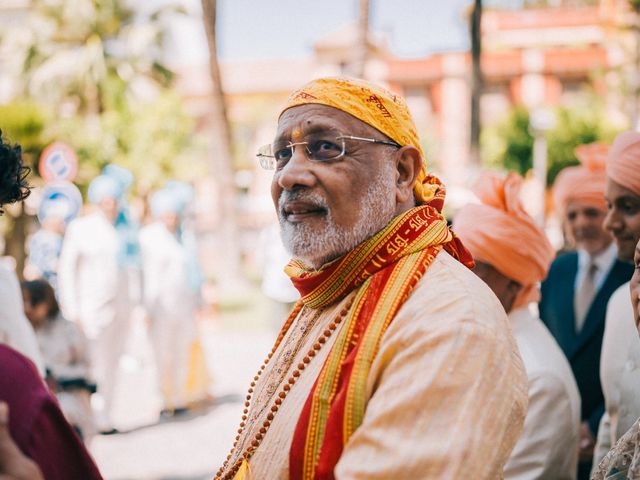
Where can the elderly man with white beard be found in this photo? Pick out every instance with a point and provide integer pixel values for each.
(397, 362)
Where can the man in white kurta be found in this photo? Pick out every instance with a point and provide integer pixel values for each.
(95, 288)
(512, 255)
(547, 446)
(171, 296)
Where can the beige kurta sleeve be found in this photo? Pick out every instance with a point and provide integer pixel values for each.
(448, 391)
(548, 446)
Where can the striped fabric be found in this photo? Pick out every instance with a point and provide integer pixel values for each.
(384, 270)
(446, 393)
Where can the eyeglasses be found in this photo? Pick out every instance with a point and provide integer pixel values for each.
(319, 146)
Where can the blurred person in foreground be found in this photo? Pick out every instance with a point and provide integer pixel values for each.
(15, 329)
(172, 282)
(620, 362)
(397, 362)
(512, 257)
(36, 442)
(580, 283)
(66, 355)
(96, 278)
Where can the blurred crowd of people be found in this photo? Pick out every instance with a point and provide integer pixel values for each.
(85, 276)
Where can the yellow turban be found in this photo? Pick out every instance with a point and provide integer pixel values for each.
(623, 163)
(501, 233)
(376, 107)
(584, 183)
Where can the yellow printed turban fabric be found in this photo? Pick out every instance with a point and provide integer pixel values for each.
(583, 183)
(501, 233)
(376, 107)
(623, 162)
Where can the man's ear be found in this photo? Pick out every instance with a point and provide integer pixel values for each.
(408, 165)
(514, 287)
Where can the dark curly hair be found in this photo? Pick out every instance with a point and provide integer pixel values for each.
(13, 174)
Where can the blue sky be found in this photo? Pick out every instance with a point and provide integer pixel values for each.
(288, 28)
(264, 29)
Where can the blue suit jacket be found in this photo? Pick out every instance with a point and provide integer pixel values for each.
(582, 349)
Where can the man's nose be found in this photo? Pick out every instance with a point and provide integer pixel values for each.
(612, 222)
(298, 171)
(581, 221)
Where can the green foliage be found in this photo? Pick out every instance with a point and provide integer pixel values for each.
(509, 145)
(68, 49)
(512, 142)
(24, 122)
(97, 62)
(154, 140)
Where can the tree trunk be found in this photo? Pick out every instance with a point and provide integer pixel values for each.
(221, 161)
(362, 47)
(635, 77)
(17, 239)
(476, 82)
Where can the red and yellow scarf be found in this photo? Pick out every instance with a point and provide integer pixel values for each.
(384, 270)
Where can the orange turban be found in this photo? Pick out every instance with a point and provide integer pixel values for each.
(499, 232)
(376, 107)
(623, 163)
(583, 183)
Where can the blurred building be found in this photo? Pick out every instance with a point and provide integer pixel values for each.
(564, 53)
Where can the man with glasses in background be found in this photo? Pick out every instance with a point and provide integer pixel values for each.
(397, 362)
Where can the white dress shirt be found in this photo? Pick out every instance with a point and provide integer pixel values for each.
(603, 261)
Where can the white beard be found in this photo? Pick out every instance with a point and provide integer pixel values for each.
(315, 247)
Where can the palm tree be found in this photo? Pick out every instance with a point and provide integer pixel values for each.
(635, 84)
(362, 47)
(476, 81)
(222, 156)
(74, 52)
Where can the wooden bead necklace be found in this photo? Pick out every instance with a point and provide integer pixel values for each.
(257, 439)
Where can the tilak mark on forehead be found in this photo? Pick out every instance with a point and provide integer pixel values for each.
(296, 134)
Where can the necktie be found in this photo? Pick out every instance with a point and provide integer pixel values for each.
(584, 296)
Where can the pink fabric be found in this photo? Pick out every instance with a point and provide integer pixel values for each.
(37, 424)
(501, 233)
(623, 162)
(584, 183)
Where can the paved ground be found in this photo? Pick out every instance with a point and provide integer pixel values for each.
(189, 448)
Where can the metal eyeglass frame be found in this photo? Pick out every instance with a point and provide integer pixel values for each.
(268, 161)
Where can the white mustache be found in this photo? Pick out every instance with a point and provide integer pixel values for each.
(313, 199)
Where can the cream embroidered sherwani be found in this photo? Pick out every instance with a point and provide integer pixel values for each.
(447, 392)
